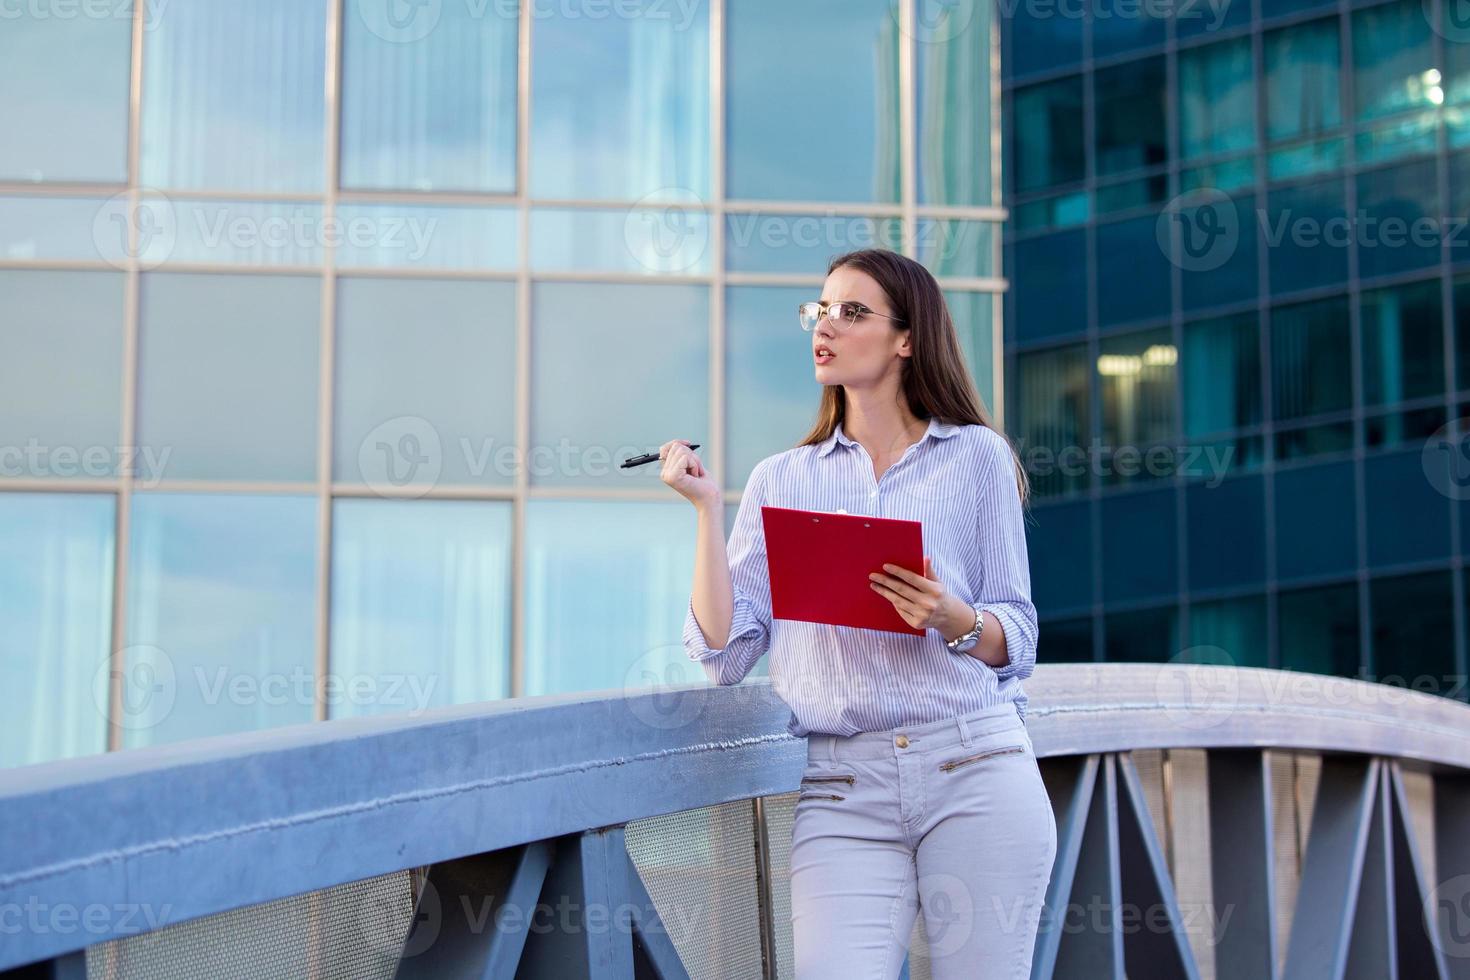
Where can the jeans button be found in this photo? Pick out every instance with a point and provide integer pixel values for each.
(902, 741)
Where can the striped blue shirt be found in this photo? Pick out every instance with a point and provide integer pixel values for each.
(958, 481)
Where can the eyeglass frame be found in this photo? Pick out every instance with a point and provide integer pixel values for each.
(823, 312)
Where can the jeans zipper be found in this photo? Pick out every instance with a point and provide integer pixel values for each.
(821, 796)
(828, 779)
(954, 764)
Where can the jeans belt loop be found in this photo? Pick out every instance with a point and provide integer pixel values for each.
(964, 731)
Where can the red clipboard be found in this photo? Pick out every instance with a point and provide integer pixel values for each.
(819, 566)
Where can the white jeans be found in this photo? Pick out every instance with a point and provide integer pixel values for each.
(950, 818)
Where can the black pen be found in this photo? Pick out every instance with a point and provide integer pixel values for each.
(646, 458)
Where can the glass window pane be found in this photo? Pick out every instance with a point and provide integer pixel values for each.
(770, 384)
(802, 243)
(1410, 514)
(1049, 295)
(957, 248)
(590, 338)
(234, 96)
(49, 228)
(1141, 636)
(1236, 626)
(420, 604)
(1227, 534)
(415, 236)
(1222, 374)
(1139, 545)
(1133, 272)
(1303, 96)
(669, 238)
(1311, 358)
(71, 123)
(1036, 39)
(1137, 377)
(243, 232)
(1414, 633)
(1281, 8)
(1129, 194)
(1402, 333)
(1314, 440)
(1050, 400)
(1462, 332)
(1318, 630)
(228, 370)
(853, 96)
(1393, 65)
(1046, 146)
(56, 558)
(952, 82)
(1068, 641)
(1399, 212)
(1306, 159)
(221, 615)
(1129, 102)
(1059, 546)
(1400, 428)
(1316, 523)
(974, 315)
(425, 391)
(1308, 235)
(1218, 267)
(629, 566)
(1124, 27)
(1217, 98)
(61, 372)
(620, 105)
(429, 104)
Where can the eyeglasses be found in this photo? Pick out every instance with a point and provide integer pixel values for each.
(839, 312)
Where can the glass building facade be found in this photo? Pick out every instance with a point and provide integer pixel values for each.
(1238, 330)
(324, 326)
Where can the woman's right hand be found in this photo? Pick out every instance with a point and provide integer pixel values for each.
(683, 470)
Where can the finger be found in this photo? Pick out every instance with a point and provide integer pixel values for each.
(899, 600)
(897, 586)
(914, 578)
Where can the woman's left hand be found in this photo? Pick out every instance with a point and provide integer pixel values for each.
(922, 601)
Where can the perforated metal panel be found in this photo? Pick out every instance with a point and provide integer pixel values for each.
(699, 867)
(351, 932)
(780, 816)
(1189, 849)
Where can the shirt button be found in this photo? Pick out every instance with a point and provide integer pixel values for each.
(902, 741)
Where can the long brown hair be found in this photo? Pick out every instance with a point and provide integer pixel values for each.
(935, 382)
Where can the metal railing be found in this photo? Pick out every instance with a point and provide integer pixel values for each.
(1212, 821)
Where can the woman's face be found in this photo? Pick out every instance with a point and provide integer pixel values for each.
(864, 351)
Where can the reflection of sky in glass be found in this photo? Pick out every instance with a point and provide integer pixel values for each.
(61, 228)
(61, 370)
(616, 370)
(952, 89)
(451, 128)
(770, 388)
(607, 585)
(65, 116)
(427, 236)
(671, 239)
(812, 104)
(221, 614)
(425, 369)
(420, 603)
(56, 602)
(974, 317)
(642, 125)
(234, 97)
(228, 375)
(802, 243)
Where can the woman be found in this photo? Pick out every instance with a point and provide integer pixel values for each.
(921, 790)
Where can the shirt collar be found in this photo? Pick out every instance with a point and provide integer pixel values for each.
(937, 429)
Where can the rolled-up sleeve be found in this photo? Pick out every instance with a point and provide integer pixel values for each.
(750, 626)
(1005, 569)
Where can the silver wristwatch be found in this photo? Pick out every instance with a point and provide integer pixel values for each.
(965, 643)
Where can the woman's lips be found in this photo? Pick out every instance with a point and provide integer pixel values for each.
(822, 356)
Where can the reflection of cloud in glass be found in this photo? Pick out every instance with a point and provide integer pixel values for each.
(771, 388)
